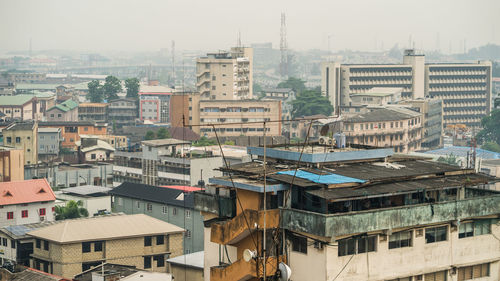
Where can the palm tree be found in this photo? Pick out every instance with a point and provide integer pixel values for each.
(72, 209)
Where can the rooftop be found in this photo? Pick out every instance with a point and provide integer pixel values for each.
(463, 151)
(31, 274)
(16, 100)
(49, 130)
(167, 196)
(40, 86)
(163, 142)
(26, 191)
(20, 231)
(93, 104)
(104, 228)
(20, 126)
(195, 260)
(384, 114)
(86, 190)
(380, 92)
(65, 106)
(109, 268)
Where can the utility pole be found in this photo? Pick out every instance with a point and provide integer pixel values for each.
(265, 207)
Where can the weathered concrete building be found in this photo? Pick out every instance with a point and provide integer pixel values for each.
(11, 164)
(350, 214)
(23, 136)
(66, 111)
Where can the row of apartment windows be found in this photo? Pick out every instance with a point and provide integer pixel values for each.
(8, 111)
(235, 109)
(160, 261)
(18, 139)
(148, 240)
(464, 273)
(38, 244)
(380, 126)
(205, 130)
(149, 207)
(214, 120)
(25, 214)
(43, 137)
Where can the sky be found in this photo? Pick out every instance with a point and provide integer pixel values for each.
(150, 25)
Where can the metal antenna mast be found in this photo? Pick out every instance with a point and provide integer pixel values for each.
(173, 62)
(283, 48)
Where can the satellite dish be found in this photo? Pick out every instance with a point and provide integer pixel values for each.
(285, 272)
(248, 255)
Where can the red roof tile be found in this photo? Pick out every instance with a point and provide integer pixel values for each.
(26, 191)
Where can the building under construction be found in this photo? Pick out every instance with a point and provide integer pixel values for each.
(356, 213)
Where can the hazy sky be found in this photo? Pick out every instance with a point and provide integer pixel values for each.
(94, 25)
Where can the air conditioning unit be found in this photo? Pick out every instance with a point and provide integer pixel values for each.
(326, 140)
(42, 218)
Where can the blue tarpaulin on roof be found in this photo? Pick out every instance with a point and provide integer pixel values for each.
(323, 179)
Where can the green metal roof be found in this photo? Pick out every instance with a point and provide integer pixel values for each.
(15, 100)
(65, 106)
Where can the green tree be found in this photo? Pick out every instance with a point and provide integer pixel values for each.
(491, 146)
(132, 85)
(163, 134)
(95, 91)
(204, 141)
(491, 128)
(296, 84)
(72, 210)
(150, 135)
(112, 86)
(310, 103)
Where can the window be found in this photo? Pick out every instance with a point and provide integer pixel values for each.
(436, 234)
(473, 272)
(160, 260)
(474, 228)
(138, 204)
(46, 245)
(436, 276)
(188, 233)
(59, 115)
(86, 247)
(86, 129)
(147, 262)
(164, 210)
(42, 211)
(4, 242)
(98, 246)
(9, 139)
(13, 244)
(160, 240)
(10, 215)
(147, 241)
(357, 245)
(18, 139)
(400, 239)
(149, 207)
(92, 156)
(299, 244)
(24, 213)
(174, 211)
(38, 243)
(188, 214)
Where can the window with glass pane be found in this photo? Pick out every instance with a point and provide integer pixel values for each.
(482, 227)
(357, 245)
(466, 230)
(400, 239)
(436, 234)
(436, 276)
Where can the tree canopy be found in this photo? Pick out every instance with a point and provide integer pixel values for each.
(296, 84)
(95, 91)
(112, 86)
(150, 135)
(162, 134)
(491, 128)
(132, 85)
(72, 210)
(204, 141)
(491, 146)
(310, 103)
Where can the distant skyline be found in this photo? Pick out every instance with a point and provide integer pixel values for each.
(150, 25)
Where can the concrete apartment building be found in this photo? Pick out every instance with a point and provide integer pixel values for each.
(66, 111)
(26, 201)
(18, 107)
(238, 111)
(72, 131)
(432, 120)
(226, 75)
(165, 162)
(49, 143)
(154, 103)
(11, 164)
(73, 246)
(23, 136)
(94, 112)
(285, 95)
(465, 89)
(7, 87)
(172, 205)
(395, 127)
(122, 112)
(351, 214)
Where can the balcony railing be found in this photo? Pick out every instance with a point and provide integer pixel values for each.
(242, 270)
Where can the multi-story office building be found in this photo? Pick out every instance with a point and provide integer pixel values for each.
(465, 89)
(11, 164)
(122, 112)
(238, 117)
(226, 75)
(154, 104)
(49, 143)
(343, 211)
(395, 127)
(432, 120)
(74, 245)
(26, 201)
(94, 112)
(23, 136)
(171, 205)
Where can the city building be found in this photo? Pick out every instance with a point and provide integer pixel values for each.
(226, 75)
(235, 113)
(465, 88)
(71, 131)
(94, 112)
(154, 103)
(26, 201)
(66, 111)
(187, 267)
(23, 136)
(172, 205)
(349, 214)
(11, 164)
(73, 246)
(61, 175)
(394, 127)
(26, 273)
(7, 87)
(181, 108)
(432, 121)
(44, 101)
(118, 142)
(122, 112)
(165, 162)
(94, 150)
(18, 107)
(22, 77)
(95, 199)
(377, 96)
(285, 95)
(49, 143)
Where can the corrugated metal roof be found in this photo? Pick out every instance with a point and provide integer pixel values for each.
(462, 151)
(384, 114)
(26, 191)
(15, 100)
(65, 106)
(321, 178)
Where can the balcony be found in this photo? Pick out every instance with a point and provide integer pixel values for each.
(334, 225)
(242, 270)
(234, 230)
